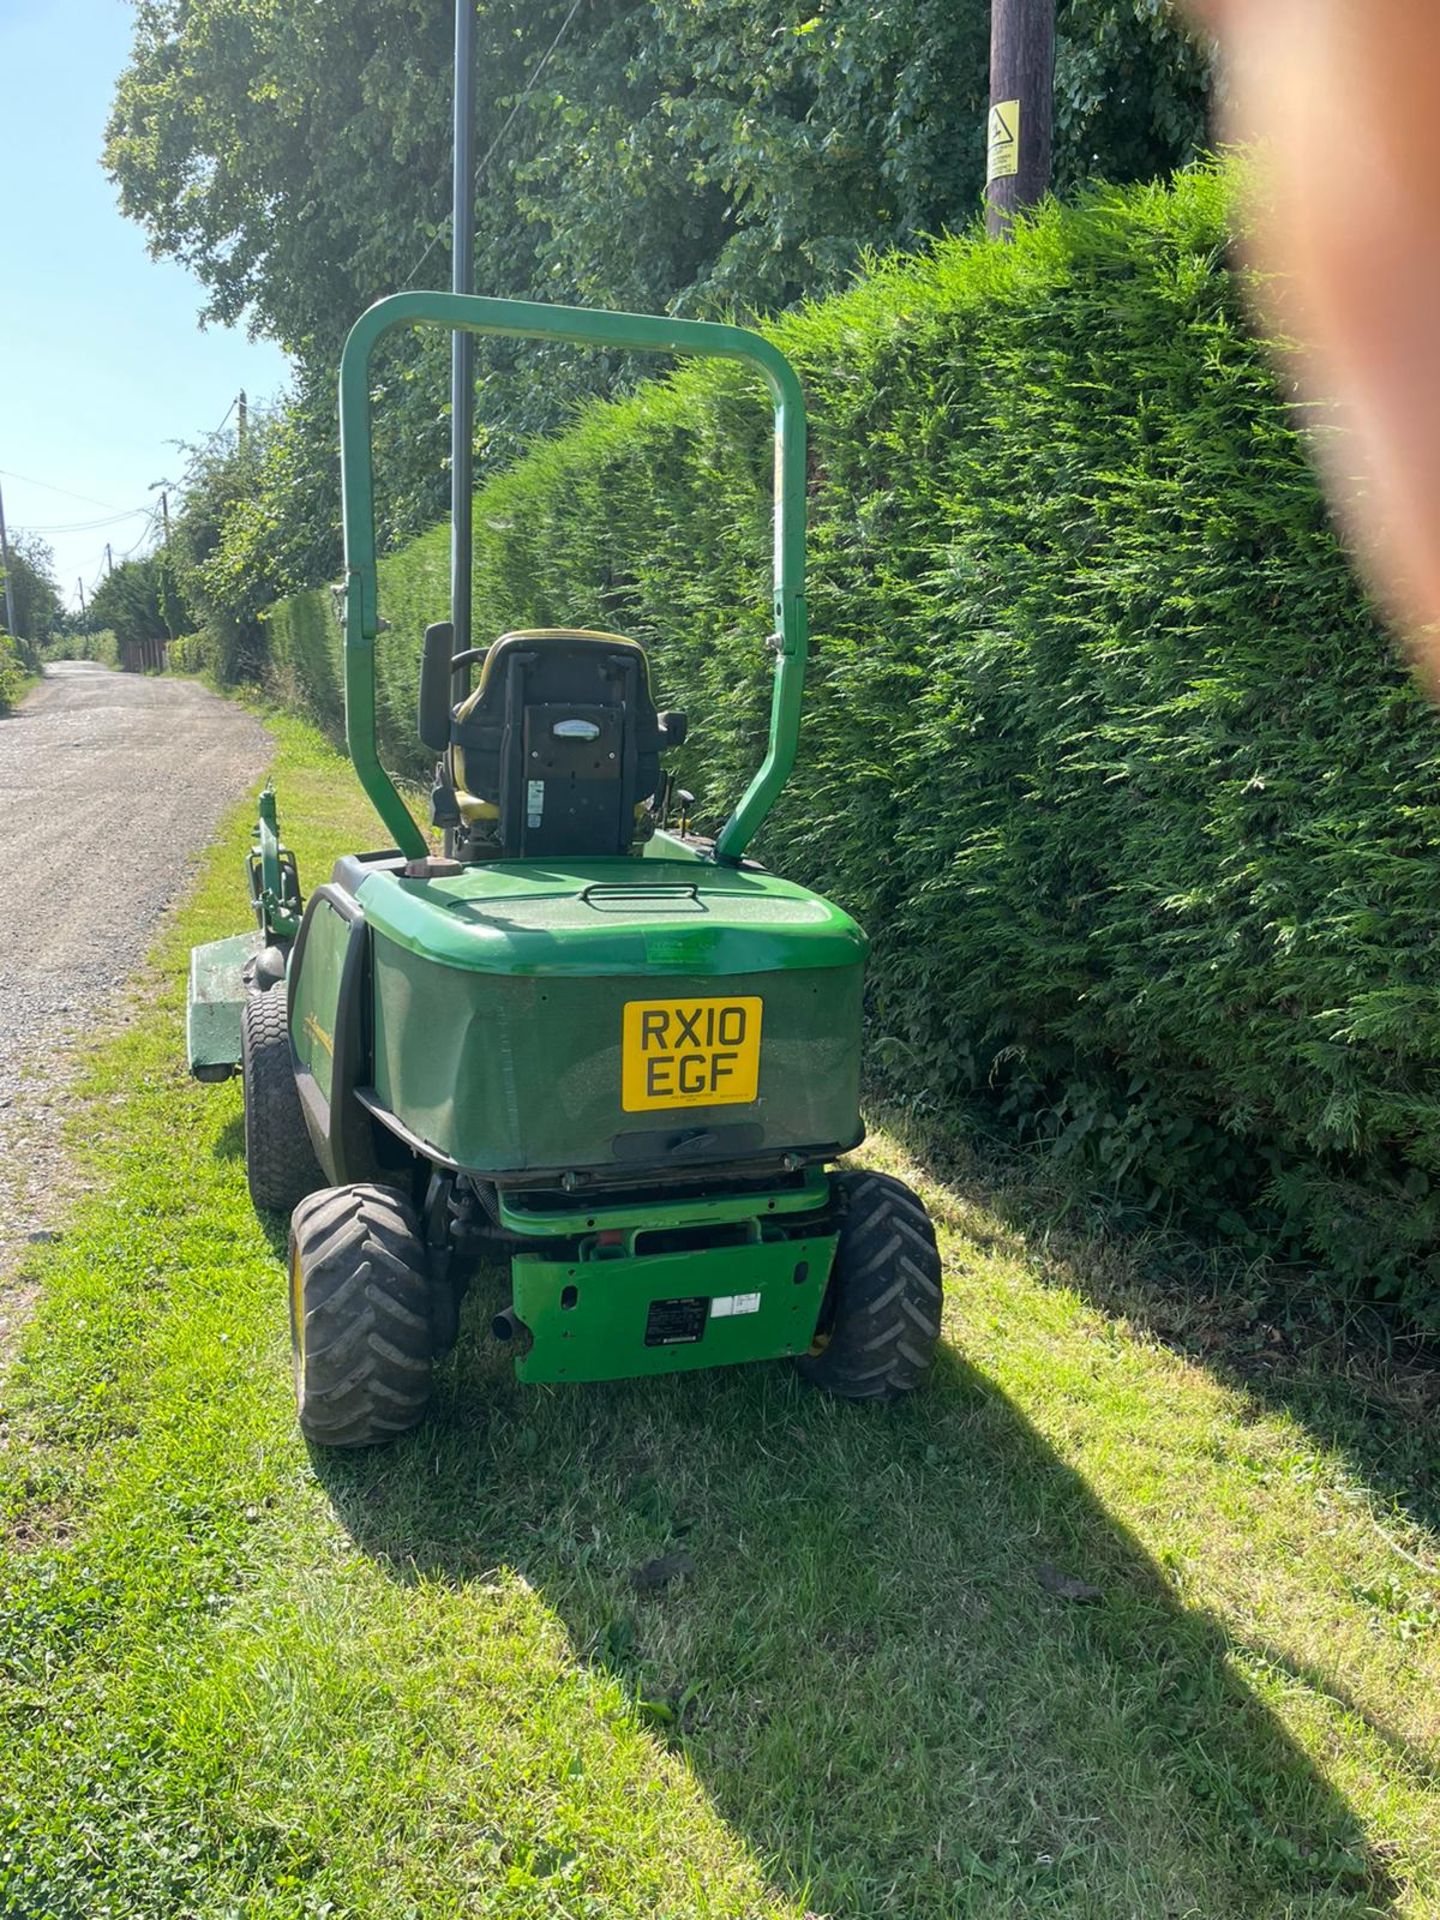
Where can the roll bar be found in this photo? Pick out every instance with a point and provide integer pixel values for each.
(630, 332)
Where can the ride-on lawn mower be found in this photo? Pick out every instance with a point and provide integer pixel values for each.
(614, 1053)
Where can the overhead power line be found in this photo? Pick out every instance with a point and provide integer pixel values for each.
(82, 526)
(115, 516)
(152, 518)
(50, 487)
(221, 428)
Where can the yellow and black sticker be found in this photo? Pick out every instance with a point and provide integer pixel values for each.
(1004, 141)
(690, 1053)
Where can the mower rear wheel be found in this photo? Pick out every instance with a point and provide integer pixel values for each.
(881, 1318)
(280, 1162)
(360, 1320)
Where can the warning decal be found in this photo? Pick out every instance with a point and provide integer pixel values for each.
(1004, 156)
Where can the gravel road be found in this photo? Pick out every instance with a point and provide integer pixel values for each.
(110, 784)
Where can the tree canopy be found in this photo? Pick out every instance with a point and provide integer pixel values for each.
(723, 154)
(714, 159)
(131, 601)
(34, 593)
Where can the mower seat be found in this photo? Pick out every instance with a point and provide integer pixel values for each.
(557, 749)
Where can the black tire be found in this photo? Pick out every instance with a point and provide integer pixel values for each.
(360, 1320)
(280, 1162)
(881, 1319)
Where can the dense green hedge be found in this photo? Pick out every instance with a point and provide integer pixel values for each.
(1103, 741)
(100, 645)
(12, 675)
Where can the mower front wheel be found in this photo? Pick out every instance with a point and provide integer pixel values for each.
(881, 1318)
(360, 1318)
(280, 1162)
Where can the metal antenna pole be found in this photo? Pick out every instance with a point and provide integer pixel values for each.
(462, 345)
(5, 563)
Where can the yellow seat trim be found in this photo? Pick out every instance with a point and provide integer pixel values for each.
(554, 633)
(472, 808)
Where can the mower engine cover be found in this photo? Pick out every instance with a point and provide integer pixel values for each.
(559, 1015)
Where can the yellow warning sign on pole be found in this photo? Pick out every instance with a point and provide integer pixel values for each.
(1004, 144)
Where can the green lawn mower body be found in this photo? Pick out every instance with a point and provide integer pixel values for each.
(617, 1057)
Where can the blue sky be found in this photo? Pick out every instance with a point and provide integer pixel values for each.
(102, 363)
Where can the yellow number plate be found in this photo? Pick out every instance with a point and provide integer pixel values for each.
(690, 1053)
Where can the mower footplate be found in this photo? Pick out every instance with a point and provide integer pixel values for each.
(619, 1315)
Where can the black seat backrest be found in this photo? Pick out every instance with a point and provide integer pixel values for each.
(562, 738)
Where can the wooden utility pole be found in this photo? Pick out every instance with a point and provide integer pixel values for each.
(242, 419)
(84, 610)
(1022, 96)
(164, 592)
(109, 563)
(5, 563)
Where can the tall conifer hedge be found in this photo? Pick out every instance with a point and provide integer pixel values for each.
(1103, 742)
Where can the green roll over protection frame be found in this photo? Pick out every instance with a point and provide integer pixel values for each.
(629, 332)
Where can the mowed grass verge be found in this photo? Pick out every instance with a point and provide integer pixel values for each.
(1084, 1630)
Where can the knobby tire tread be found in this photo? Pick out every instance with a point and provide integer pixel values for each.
(882, 1322)
(366, 1369)
(280, 1163)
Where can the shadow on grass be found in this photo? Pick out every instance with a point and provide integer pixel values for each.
(1361, 1386)
(860, 1649)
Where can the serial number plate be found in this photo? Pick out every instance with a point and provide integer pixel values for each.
(690, 1053)
(675, 1323)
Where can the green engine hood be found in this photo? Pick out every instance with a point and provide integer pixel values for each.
(611, 916)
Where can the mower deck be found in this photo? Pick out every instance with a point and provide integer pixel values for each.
(214, 1004)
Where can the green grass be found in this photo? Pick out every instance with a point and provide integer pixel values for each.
(239, 1681)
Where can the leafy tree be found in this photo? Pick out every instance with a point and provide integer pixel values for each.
(36, 597)
(733, 155)
(68, 629)
(1132, 91)
(130, 600)
(298, 159)
(12, 678)
(708, 159)
(222, 575)
(254, 518)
